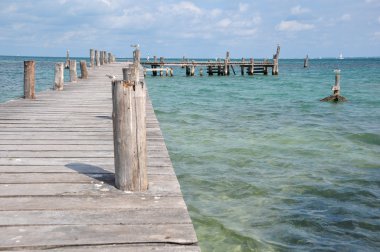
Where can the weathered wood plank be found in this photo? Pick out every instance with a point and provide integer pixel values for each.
(53, 236)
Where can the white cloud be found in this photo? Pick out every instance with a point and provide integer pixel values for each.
(297, 10)
(345, 17)
(293, 26)
(216, 12)
(243, 7)
(185, 8)
(106, 2)
(224, 23)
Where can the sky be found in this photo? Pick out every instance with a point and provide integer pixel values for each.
(194, 29)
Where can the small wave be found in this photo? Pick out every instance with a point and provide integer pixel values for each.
(368, 138)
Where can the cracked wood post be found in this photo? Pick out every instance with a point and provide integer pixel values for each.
(58, 80)
(92, 58)
(83, 69)
(29, 79)
(73, 70)
(129, 127)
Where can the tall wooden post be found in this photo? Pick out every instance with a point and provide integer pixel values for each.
(58, 79)
(97, 58)
(336, 87)
(73, 71)
(29, 79)
(242, 66)
(83, 69)
(209, 69)
(67, 59)
(226, 64)
(105, 57)
(306, 61)
(129, 127)
(252, 67)
(109, 57)
(92, 58)
(101, 58)
(275, 62)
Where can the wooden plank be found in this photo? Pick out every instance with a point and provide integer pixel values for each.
(95, 217)
(88, 202)
(51, 236)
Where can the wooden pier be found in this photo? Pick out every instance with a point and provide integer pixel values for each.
(218, 67)
(57, 189)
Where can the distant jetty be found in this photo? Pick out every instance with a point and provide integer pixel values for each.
(218, 67)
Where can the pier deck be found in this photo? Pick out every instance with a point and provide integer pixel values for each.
(57, 177)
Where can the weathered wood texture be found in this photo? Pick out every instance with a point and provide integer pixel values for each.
(97, 58)
(29, 79)
(73, 71)
(57, 187)
(92, 58)
(58, 79)
(83, 69)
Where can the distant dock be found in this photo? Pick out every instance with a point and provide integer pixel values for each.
(225, 67)
(57, 177)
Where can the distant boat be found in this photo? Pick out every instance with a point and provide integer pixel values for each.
(341, 56)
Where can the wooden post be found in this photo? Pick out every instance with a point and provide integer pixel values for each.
(92, 58)
(187, 70)
(192, 70)
(201, 72)
(275, 62)
(129, 127)
(335, 97)
(83, 69)
(29, 79)
(97, 58)
(226, 64)
(101, 58)
(171, 72)
(105, 57)
(73, 71)
(67, 59)
(252, 67)
(242, 66)
(154, 59)
(58, 80)
(209, 69)
(306, 61)
(109, 57)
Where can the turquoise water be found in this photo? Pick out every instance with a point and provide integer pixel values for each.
(263, 164)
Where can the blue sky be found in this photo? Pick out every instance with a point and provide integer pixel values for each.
(204, 28)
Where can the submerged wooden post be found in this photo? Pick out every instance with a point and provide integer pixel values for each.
(29, 79)
(73, 71)
(83, 69)
(201, 72)
(58, 79)
(171, 72)
(129, 128)
(275, 62)
(335, 97)
(209, 69)
(92, 58)
(306, 61)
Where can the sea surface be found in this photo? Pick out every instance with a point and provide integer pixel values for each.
(262, 163)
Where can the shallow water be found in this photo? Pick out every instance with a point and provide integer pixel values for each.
(263, 164)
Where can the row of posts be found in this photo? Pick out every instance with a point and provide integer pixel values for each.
(97, 58)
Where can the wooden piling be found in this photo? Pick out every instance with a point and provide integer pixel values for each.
(105, 57)
(29, 79)
(171, 72)
(97, 58)
(58, 79)
(73, 71)
(92, 58)
(201, 72)
(83, 69)
(275, 62)
(209, 69)
(67, 64)
(109, 57)
(242, 67)
(335, 97)
(129, 127)
(101, 56)
(306, 61)
(251, 67)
